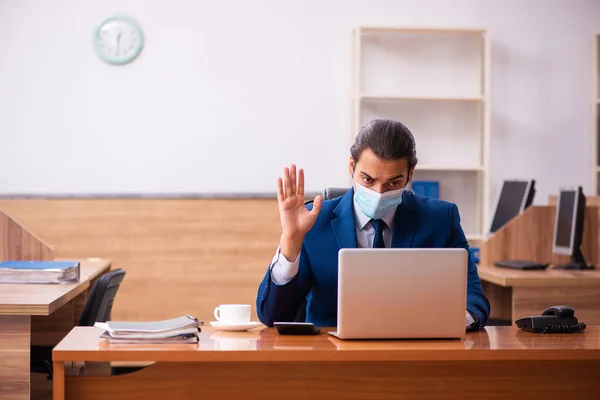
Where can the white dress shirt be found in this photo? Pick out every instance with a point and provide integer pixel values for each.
(283, 271)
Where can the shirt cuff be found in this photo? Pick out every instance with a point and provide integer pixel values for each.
(470, 320)
(282, 270)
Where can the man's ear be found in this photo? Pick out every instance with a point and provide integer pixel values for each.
(351, 166)
(411, 172)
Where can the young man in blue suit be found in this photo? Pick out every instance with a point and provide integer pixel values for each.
(376, 212)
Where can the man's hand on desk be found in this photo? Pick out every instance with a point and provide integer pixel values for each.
(296, 220)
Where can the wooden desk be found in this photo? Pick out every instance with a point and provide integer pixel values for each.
(515, 293)
(37, 314)
(496, 363)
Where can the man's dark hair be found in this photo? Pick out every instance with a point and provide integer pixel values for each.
(388, 140)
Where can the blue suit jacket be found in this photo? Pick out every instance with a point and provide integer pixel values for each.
(420, 222)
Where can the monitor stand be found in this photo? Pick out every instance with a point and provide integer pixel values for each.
(577, 262)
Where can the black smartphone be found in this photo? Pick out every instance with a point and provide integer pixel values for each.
(296, 328)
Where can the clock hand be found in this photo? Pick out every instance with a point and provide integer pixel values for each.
(118, 42)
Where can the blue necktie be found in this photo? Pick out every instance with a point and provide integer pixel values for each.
(378, 224)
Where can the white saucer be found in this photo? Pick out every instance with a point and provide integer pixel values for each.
(221, 326)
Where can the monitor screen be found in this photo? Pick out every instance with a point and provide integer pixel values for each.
(509, 203)
(565, 218)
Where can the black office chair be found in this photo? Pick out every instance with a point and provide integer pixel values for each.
(328, 194)
(97, 308)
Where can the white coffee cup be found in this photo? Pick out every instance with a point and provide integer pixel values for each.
(233, 314)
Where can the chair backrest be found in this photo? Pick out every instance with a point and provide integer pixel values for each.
(99, 303)
(330, 193)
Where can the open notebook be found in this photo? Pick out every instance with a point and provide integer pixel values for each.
(178, 330)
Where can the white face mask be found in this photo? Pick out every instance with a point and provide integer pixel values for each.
(376, 205)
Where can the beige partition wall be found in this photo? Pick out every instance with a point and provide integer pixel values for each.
(18, 243)
(181, 256)
(529, 237)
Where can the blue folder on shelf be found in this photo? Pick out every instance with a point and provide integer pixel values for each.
(427, 188)
(39, 271)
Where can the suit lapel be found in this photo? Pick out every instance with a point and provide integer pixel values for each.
(344, 225)
(406, 222)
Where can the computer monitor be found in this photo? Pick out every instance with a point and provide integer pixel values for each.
(568, 228)
(514, 197)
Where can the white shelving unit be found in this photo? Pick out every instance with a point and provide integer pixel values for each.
(436, 82)
(596, 118)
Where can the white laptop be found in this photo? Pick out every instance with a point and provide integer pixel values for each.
(401, 293)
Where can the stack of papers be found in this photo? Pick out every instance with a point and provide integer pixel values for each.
(178, 330)
(39, 271)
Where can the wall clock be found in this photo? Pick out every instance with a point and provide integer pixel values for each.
(118, 40)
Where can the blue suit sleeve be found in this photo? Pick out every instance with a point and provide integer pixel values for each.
(280, 303)
(477, 304)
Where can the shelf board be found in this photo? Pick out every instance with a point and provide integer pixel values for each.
(377, 97)
(432, 167)
(370, 30)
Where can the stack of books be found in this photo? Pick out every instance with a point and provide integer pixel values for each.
(178, 330)
(39, 271)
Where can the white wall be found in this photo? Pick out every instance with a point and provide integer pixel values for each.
(227, 92)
